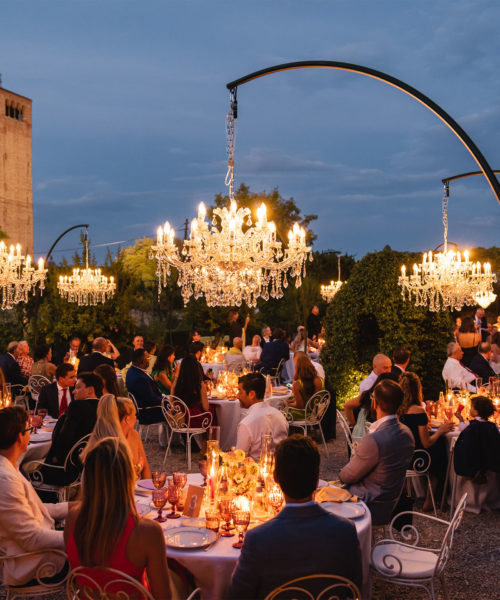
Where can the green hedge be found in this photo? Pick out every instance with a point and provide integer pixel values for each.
(368, 315)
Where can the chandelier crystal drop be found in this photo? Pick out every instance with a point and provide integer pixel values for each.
(18, 276)
(446, 280)
(233, 259)
(328, 291)
(86, 287)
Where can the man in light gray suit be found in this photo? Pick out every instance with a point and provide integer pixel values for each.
(377, 471)
(303, 539)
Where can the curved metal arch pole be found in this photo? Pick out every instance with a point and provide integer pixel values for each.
(397, 83)
(463, 175)
(61, 236)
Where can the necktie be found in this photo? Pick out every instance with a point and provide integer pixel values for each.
(64, 402)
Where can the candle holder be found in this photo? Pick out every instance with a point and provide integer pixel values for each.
(241, 520)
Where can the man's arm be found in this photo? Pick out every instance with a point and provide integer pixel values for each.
(243, 439)
(246, 574)
(365, 459)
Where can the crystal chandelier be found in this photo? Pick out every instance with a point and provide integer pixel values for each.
(445, 279)
(18, 276)
(233, 260)
(86, 287)
(329, 291)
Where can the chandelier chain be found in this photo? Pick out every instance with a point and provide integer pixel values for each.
(446, 193)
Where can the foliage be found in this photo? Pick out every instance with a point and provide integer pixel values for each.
(368, 315)
(3, 235)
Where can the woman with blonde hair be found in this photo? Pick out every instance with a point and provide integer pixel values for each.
(306, 381)
(127, 542)
(128, 416)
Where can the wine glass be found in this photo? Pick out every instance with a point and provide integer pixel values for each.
(226, 508)
(159, 501)
(138, 466)
(276, 497)
(158, 478)
(43, 412)
(173, 493)
(241, 520)
(35, 422)
(202, 465)
(180, 479)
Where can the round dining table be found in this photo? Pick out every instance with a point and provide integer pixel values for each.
(216, 368)
(212, 567)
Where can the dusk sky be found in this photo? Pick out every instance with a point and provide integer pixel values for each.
(129, 105)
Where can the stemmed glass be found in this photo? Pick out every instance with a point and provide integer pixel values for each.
(43, 412)
(241, 520)
(179, 479)
(276, 497)
(159, 500)
(158, 478)
(226, 508)
(138, 466)
(35, 422)
(173, 494)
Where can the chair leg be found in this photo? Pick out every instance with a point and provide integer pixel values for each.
(431, 493)
(432, 592)
(446, 481)
(453, 495)
(168, 447)
(188, 442)
(323, 438)
(444, 589)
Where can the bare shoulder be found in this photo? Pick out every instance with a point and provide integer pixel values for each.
(148, 530)
(416, 410)
(133, 436)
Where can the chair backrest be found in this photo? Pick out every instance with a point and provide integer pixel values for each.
(316, 587)
(279, 370)
(73, 458)
(445, 551)
(89, 583)
(316, 407)
(132, 397)
(36, 383)
(420, 462)
(176, 413)
(345, 428)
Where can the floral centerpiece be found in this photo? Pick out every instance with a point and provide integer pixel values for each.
(242, 472)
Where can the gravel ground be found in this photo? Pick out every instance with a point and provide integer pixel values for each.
(472, 571)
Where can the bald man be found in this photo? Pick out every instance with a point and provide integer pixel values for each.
(381, 364)
(97, 357)
(234, 359)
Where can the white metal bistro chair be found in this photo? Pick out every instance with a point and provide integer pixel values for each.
(19, 395)
(142, 428)
(315, 410)
(407, 563)
(419, 468)
(86, 583)
(346, 431)
(36, 383)
(316, 587)
(52, 563)
(178, 418)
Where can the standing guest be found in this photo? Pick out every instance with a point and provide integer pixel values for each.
(145, 390)
(128, 543)
(97, 357)
(43, 365)
(266, 335)
(268, 558)
(377, 471)
(73, 350)
(468, 338)
(109, 381)
(400, 360)
(234, 359)
(481, 324)
(235, 327)
(380, 364)
(164, 369)
(191, 389)
(454, 372)
(305, 382)
(150, 348)
(10, 367)
(261, 417)
(57, 396)
(274, 352)
(495, 352)
(480, 364)
(252, 353)
(313, 323)
(26, 524)
(24, 359)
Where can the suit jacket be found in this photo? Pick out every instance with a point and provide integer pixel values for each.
(271, 355)
(75, 423)
(26, 525)
(147, 394)
(11, 370)
(49, 399)
(90, 361)
(481, 367)
(377, 471)
(477, 449)
(396, 370)
(272, 555)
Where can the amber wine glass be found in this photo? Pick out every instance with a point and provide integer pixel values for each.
(158, 478)
(241, 520)
(159, 501)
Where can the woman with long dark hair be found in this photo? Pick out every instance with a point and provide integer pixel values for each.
(164, 369)
(191, 389)
(109, 380)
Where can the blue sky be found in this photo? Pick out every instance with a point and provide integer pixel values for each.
(129, 104)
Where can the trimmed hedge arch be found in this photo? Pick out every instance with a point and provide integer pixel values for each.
(368, 315)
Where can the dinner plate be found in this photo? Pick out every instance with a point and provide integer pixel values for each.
(186, 538)
(147, 484)
(348, 510)
(40, 436)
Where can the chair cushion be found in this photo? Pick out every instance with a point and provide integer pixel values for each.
(416, 563)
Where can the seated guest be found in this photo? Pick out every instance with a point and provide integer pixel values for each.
(305, 382)
(77, 422)
(234, 359)
(478, 446)
(145, 390)
(164, 369)
(150, 348)
(128, 416)
(469, 339)
(412, 414)
(10, 367)
(24, 359)
(72, 350)
(495, 352)
(57, 396)
(109, 381)
(299, 343)
(381, 364)
(454, 373)
(97, 357)
(26, 524)
(266, 336)
(126, 355)
(196, 350)
(400, 360)
(268, 558)
(127, 543)
(106, 425)
(43, 365)
(261, 417)
(273, 353)
(352, 408)
(377, 471)
(480, 363)
(191, 389)
(252, 353)
(319, 368)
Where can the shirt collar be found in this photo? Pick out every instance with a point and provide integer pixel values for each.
(379, 422)
(301, 504)
(256, 405)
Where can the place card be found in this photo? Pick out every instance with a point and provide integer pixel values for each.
(194, 500)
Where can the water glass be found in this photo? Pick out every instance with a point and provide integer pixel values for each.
(212, 520)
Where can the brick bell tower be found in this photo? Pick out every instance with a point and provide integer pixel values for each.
(16, 185)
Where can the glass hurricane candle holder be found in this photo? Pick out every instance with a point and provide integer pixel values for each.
(159, 501)
(241, 520)
(226, 508)
(158, 478)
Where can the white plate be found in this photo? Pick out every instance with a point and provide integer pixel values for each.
(348, 510)
(185, 538)
(40, 436)
(146, 484)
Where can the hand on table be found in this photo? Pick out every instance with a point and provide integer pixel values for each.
(446, 428)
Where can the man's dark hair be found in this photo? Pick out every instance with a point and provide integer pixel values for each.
(41, 351)
(400, 355)
(75, 337)
(138, 356)
(483, 406)
(389, 396)
(64, 369)
(13, 420)
(92, 380)
(278, 334)
(254, 382)
(195, 347)
(484, 347)
(297, 466)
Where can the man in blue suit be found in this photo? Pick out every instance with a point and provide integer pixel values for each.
(303, 539)
(145, 390)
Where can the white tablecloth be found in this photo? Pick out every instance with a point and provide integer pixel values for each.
(213, 569)
(216, 368)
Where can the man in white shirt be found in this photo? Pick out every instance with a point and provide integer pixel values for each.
(26, 523)
(261, 417)
(381, 364)
(454, 372)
